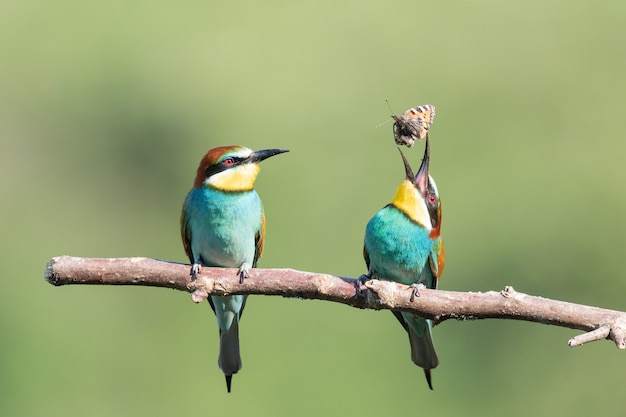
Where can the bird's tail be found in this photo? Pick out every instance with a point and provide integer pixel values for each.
(422, 348)
(229, 359)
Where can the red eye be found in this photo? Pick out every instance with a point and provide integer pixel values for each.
(229, 162)
(432, 199)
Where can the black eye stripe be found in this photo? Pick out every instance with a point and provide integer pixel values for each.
(221, 166)
(432, 206)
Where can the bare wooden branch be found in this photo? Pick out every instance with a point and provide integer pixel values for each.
(601, 332)
(437, 305)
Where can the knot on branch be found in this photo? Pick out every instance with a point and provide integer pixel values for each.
(199, 296)
(377, 293)
(200, 288)
(508, 291)
(618, 332)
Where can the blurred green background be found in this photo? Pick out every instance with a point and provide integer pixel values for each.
(106, 109)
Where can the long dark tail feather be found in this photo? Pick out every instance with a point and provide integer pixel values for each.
(229, 359)
(428, 379)
(422, 350)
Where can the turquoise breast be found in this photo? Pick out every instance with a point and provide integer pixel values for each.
(398, 248)
(224, 226)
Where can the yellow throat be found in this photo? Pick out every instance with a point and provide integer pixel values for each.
(411, 203)
(240, 178)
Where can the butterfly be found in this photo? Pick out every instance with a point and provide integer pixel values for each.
(413, 124)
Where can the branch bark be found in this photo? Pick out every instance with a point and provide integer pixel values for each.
(438, 305)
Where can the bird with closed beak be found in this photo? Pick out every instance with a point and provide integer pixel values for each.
(223, 225)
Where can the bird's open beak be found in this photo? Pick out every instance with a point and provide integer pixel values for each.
(421, 179)
(258, 156)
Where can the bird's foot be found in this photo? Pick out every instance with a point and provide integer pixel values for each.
(195, 270)
(361, 281)
(363, 278)
(244, 272)
(415, 290)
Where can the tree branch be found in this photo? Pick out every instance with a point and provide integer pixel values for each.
(437, 305)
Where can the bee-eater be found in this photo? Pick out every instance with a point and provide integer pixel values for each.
(223, 225)
(403, 244)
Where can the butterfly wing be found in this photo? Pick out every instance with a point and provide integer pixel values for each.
(413, 124)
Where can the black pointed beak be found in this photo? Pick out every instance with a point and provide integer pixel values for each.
(421, 179)
(259, 156)
(407, 167)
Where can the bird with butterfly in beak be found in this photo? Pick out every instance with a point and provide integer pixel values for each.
(223, 225)
(403, 244)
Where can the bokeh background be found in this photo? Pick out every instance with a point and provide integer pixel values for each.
(106, 109)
